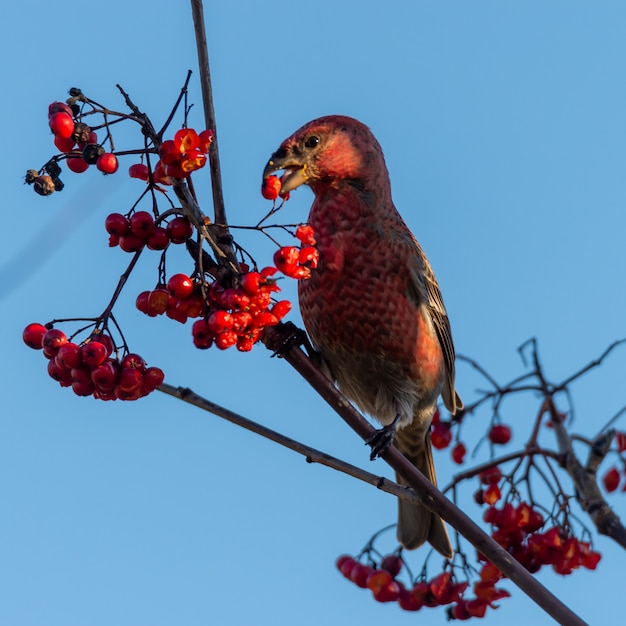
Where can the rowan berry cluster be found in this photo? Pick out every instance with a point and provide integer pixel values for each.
(236, 315)
(141, 230)
(381, 578)
(518, 529)
(93, 367)
(79, 147)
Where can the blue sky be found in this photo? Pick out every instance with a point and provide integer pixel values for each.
(504, 131)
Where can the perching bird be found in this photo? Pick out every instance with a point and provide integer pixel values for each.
(372, 307)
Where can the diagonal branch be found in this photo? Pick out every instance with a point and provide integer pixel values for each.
(277, 338)
(312, 454)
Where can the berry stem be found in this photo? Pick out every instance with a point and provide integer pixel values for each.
(120, 285)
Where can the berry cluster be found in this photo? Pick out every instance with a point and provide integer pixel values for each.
(442, 590)
(77, 143)
(90, 368)
(485, 594)
(613, 478)
(140, 229)
(517, 530)
(184, 154)
(178, 157)
(78, 146)
(235, 315)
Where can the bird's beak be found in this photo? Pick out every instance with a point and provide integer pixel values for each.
(295, 170)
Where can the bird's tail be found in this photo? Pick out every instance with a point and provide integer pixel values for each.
(416, 524)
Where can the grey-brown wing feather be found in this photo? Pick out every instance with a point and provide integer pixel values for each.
(425, 287)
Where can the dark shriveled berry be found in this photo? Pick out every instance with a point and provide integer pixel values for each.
(75, 92)
(43, 185)
(58, 184)
(81, 132)
(52, 168)
(31, 176)
(92, 153)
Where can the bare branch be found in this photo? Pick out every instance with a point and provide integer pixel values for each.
(312, 455)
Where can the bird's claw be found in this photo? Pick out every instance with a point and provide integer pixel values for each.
(286, 336)
(380, 440)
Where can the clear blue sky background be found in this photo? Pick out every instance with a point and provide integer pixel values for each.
(504, 128)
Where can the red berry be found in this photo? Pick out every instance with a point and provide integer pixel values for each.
(458, 453)
(131, 243)
(142, 224)
(611, 479)
(492, 494)
(245, 343)
(280, 309)
(192, 161)
(130, 379)
(53, 340)
(107, 163)
(206, 138)
(158, 301)
(105, 340)
(104, 376)
(83, 389)
(379, 579)
(160, 175)
(180, 285)
(69, 356)
(620, 439)
(499, 434)
(139, 170)
(440, 435)
(61, 124)
(392, 563)
(225, 339)
(116, 224)
(309, 256)
(93, 353)
(77, 164)
(271, 187)
(60, 374)
(159, 239)
(359, 573)
(33, 335)
(219, 321)
(179, 229)
(345, 563)
(135, 361)
(306, 234)
(169, 153)
(186, 140)
(286, 259)
(64, 145)
(252, 282)
(153, 377)
(490, 475)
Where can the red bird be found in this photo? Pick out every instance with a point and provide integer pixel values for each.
(373, 307)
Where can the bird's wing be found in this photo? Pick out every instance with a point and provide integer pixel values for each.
(425, 291)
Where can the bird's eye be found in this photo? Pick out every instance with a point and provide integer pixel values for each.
(312, 141)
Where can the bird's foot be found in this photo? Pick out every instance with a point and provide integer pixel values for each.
(381, 439)
(286, 336)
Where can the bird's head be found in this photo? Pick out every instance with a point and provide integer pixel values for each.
(325, 152)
